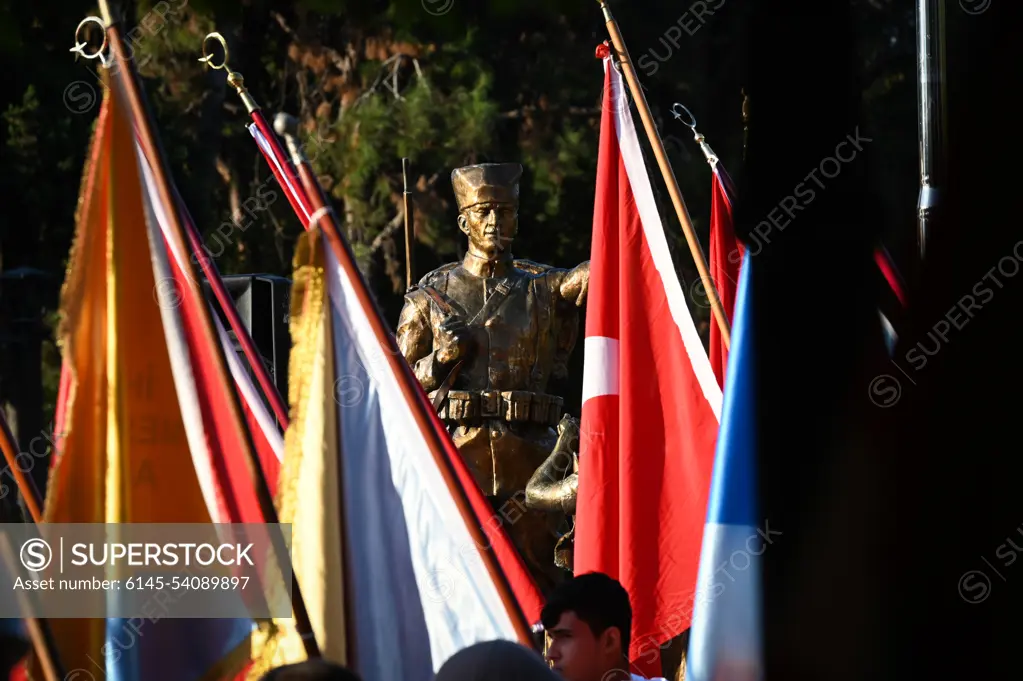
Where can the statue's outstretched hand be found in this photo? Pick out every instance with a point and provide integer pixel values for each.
(576, 284)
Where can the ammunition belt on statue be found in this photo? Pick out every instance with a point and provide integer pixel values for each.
(508, 405)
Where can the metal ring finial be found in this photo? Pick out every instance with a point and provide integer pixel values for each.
(675, 109)
(80, 45)
(207, 58)
(234, 79)
(681, 114)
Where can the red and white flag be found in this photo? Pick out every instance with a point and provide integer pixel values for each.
(400, 558)
(651, 403)
(216, 450)
(223, 473)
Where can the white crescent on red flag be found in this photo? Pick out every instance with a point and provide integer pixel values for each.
(651, 402)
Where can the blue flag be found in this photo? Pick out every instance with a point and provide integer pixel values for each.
(725, 640)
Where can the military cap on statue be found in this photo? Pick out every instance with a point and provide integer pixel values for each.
(486, 182)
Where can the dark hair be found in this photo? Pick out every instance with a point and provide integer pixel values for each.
(496, 661)
(311, 670)
(595, 598)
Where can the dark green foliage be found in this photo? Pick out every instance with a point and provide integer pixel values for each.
(373, 81)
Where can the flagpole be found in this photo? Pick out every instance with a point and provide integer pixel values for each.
(679, 111)
(284, 173)
(669, 176)
(38, 630)
(287, 127)
(930, 18)
(27, 487)
(126, 73)
(881, 256)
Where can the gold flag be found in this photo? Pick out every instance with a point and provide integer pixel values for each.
(309, 490)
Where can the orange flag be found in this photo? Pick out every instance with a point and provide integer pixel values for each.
(126, 454)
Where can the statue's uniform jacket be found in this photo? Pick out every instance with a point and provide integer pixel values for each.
(497, 411)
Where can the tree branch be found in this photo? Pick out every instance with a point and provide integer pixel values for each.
(340, 61)
(388, 231)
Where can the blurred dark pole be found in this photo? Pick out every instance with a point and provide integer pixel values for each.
(898, 504)
(810, 225)
(957, 567)
(931, 112)
(14, 641)
(14, 645)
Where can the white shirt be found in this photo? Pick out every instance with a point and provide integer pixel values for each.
(637, 677)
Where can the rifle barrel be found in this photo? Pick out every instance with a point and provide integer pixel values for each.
(410, 237)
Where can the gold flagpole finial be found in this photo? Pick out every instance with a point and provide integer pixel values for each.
(80, 45)
(234, 78)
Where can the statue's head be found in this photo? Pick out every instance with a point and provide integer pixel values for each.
(488, 205)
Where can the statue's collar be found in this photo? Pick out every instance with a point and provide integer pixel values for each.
(482, 267)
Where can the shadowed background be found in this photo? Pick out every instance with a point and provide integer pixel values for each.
(882, 510)
(444, 82)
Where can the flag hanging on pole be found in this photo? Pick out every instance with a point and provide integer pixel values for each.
(394, 546)
(280, 167)
(726, 254)
(651, 402)
(266, 437)
(125, 454)
(230, 495)
(309, 492)
(725, 641)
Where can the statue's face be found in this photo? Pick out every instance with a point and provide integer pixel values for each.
(491, 227)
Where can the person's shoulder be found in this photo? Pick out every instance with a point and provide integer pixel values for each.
(637, 677)
(417, 296)
(432, 278)
(531, 267)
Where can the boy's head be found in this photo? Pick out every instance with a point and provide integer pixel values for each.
(495, 661)
(589, 621)
(311, 670)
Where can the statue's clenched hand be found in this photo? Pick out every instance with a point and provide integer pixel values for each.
(576, 284)
(451, 340)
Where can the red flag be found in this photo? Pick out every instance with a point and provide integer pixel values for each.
(726, 253)
(651, 404)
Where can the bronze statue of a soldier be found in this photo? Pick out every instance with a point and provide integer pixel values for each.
(484, 336)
